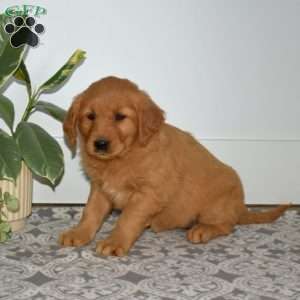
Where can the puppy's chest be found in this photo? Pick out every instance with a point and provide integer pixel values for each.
(116, 193)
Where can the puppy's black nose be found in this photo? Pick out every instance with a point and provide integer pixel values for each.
(101, 144)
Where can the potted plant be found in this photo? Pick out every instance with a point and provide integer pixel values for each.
(26, 149)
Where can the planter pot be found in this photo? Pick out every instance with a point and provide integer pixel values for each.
(23, 191)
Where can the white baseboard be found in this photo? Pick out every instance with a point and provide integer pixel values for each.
(269, 169)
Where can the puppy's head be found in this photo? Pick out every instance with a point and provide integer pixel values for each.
(110, 117)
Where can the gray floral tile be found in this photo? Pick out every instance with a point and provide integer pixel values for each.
(255, 262)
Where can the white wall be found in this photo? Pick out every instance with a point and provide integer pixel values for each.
(227, 71)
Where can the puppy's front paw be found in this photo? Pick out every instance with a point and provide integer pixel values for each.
(111, 246)
(75, 237)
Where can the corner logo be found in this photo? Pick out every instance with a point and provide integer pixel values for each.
(24, 29)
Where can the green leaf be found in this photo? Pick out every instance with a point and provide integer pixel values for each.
(11, 202)
(23, 75)
(63, 73)
(7, 112)
(3, 213)
(10, 158)
(4, 227)
(5, 231)
(10, 57)
(52, 110)
(41, 152)
(3, 237)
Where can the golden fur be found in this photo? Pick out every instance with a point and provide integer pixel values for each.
(158, 175)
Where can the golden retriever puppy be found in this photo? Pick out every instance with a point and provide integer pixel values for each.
(158, 175)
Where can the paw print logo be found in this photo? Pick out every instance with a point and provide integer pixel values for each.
(24, 32)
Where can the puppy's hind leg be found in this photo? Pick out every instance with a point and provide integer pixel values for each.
(219, 217)
(202, 233)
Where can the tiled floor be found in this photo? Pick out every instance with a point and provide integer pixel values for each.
(255, 262)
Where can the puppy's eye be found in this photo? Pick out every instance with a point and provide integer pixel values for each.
(91, 116)
(119, 117)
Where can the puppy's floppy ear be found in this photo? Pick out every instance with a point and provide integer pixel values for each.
(70, 123)
(150, 118)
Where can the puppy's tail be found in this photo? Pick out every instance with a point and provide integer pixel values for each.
(254, 217)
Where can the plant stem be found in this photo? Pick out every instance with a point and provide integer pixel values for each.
(32, 99)
(11, 131)
(27, 111)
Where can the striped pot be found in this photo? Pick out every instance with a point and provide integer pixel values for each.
(23, 191)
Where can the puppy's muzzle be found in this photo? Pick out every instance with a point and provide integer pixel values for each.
(101, 145)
